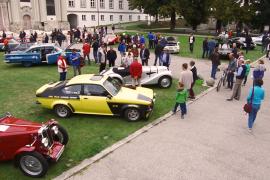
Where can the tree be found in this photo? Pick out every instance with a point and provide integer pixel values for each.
(195, 12)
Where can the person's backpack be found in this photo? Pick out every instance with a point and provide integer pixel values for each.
(258, 74)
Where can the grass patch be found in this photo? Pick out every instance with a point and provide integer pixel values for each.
(88, 134)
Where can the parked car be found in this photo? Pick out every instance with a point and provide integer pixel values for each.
(258, 40)
(111, 39)
(98, 95)
(31, 145)
(151, 75)
(224, 51)
(36, 54)
(172, 45)
(241, 43)
(12, 44)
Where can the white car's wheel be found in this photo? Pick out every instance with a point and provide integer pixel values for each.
(165, 82)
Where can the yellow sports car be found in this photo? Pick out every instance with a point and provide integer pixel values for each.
(96, 94)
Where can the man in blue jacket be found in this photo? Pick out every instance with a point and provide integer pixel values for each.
(122, 48)
(151, 40)
(75, 61)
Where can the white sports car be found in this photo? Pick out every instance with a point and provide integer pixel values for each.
(151, 75)
(172, 45)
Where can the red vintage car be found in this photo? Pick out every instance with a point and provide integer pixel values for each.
(31, 145)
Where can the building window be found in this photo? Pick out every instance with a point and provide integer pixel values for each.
(50, 7)
(130, 17)
(93, 17)
(111, 4)
(111, 17)
(24, 0)
(120, 18)
(83, 3)
(139, 18)
(102, 4)
(71, 3)
(84, 17)
(102, 18)
(120, 4)
(92, 4)
(146, 17)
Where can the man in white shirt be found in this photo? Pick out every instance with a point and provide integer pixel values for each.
(191, 41)
(62, 67)
(186, 77)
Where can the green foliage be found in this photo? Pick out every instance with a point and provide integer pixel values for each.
(195, 12)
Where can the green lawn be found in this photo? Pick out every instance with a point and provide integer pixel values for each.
(88, 134)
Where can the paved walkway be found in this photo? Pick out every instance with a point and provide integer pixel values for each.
(212, 142)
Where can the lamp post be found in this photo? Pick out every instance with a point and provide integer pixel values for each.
(98, 11)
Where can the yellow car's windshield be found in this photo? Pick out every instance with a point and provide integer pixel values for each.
(112, 86)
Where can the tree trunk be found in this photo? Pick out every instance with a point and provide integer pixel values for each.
(218, 26)
(156, 18)
(173, 19)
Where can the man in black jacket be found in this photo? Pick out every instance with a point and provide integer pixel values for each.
(215, 62)
(193, 69)
(158, 51)
(95, 47)
(144, 55)
(205, 48)
(111, 56)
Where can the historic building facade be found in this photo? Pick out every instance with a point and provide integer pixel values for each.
(16, 15)
(101, 12)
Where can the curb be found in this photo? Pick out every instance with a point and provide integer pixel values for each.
(88, 162)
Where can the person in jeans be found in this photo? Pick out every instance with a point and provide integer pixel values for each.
(95, 46)
(205, 48)
(186, 77)
(191, 41)
(257, 97)
(158, 52)
(240, 75)
(181, 99)
(135, 70)
(215, 62)
(75, 61)
(247, 63)
(230, 71)
(193, 69)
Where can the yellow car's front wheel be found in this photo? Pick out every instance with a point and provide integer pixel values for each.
(132, 114)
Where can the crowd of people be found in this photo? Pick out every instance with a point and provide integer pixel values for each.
(135, 53)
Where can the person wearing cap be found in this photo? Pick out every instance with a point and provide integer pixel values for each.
(75, 61)
(135, 70)
(181, 99)
(240, 75)
(62, 66)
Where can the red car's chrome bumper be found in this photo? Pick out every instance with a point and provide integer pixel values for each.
(56, 151)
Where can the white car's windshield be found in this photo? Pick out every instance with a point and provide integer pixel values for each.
(112, 86)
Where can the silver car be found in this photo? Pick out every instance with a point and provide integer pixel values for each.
(151, 75)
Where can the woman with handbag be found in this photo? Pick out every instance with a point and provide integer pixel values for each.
(254, 99)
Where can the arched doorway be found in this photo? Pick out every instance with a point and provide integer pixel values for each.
(73, 20)
(27, 22)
